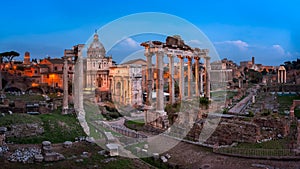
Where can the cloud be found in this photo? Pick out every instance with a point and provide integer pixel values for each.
(237, 43)
(279, 49)
(129, 42)
(194, 42)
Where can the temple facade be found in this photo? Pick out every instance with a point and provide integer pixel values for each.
(174, 47)
(96, 66)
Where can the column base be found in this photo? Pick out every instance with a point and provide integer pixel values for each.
(161, 112)
(157, 119)
(65, 110)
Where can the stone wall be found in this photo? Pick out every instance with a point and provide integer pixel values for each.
(229, 131)
(272, 127)
(24, 130)
(298, 133)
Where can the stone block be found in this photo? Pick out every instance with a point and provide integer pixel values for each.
(67, 144)
(38, 158)
(163, 159)
(46, 143)
(50, 157)
(156, 156)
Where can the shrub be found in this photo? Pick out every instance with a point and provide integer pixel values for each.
(250, 114)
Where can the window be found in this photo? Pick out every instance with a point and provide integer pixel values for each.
(55, 68)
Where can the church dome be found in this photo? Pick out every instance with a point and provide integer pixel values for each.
(96, 48)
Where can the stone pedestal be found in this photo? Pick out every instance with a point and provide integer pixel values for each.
(48, 154)
(2, 136)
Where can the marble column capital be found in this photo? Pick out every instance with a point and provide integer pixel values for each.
(189, 57)
(197, 57)
(170, 55)
(180, 56)
(148, 53)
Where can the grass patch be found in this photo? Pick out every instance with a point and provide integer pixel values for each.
(134, 125)
(286, 101)
(222, 94)
(19, 119)
(58, 128)
(26, 97)
(272, 144)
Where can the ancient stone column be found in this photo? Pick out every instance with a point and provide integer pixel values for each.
(197, 74)
(201, 81)
(171, 79)
(149, 76)
(281, 76)
(65, 86)
(284, 79)
(189, 73)
(160, 83)
(80, 84)
(207, 64)
(278, 76)
(181, 77)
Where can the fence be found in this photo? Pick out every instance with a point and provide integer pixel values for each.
(258, 153)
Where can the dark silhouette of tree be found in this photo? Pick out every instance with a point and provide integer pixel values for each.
(9, 56)
(264, 72)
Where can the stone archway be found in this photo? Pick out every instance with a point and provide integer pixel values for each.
(118, 90)
(12, 89)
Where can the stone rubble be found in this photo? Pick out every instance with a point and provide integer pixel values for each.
(84, 155)
(108, 160)
(3, 149)
(24, 155)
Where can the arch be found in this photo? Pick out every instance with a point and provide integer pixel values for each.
(12, 85)
(118, 89)
(12, 89)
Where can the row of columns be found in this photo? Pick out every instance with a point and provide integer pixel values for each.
(159, 52)
(281, 76)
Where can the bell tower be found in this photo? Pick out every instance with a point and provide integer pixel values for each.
(27, 58)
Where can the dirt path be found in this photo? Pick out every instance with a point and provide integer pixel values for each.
(194, 157)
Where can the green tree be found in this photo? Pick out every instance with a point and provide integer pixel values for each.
(9, 56)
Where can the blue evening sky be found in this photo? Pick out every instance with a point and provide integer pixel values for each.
(266, 29)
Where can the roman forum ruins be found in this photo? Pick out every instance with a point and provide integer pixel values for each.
(174, 47)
